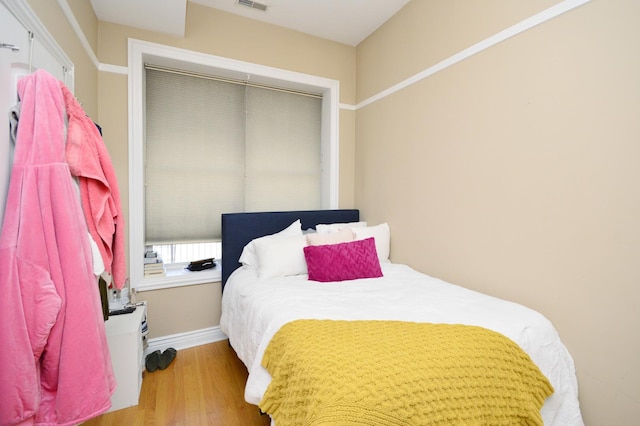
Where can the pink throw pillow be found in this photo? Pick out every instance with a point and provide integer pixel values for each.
(344, 261)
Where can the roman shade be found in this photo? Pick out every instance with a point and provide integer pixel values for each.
(215, 146)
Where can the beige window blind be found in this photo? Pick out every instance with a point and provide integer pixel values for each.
(213, 147)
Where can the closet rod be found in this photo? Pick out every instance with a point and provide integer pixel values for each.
(228, 80)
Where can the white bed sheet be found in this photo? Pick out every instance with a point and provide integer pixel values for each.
(254, 310)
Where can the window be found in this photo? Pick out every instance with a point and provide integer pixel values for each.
(203, 169)
(184, 253)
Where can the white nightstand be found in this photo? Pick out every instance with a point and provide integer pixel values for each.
(126, 344)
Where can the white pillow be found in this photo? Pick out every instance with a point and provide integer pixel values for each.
(281, 257)
(381, 235)
(249, 258)
(342, 236)
(323, 228)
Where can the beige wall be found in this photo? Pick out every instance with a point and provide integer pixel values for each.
(515, 172)
(222, 34)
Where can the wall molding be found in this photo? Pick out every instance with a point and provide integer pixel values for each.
(186, 340)
(535, 20)
(68, 13)
(114, 69)
(512, 31)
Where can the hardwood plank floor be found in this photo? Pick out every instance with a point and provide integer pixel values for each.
(203, 386)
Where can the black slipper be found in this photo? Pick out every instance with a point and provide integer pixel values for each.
(166, 358)
(152, 361)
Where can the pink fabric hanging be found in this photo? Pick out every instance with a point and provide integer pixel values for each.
(55, 367)
(89, 160)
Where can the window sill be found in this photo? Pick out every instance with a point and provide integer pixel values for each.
(180, 278)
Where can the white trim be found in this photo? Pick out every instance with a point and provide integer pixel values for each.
(141, 52)
(330, 145)
(181, 279)
(136, 174)
(115, 69)
(27, 17)
(68, 13)
(186, 340)
(512, 31)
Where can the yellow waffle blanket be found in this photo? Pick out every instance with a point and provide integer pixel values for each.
(327, 372)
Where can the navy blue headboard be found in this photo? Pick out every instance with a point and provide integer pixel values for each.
(238, 229)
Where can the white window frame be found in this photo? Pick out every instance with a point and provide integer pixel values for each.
(141, 52)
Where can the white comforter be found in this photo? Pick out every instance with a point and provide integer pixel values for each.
(254, 310)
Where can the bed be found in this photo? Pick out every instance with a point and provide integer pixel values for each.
(388, 346)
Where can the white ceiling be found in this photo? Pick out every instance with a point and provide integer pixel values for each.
(344, 21)
(167, 16)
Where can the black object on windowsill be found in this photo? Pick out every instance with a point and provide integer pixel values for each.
(201, 265)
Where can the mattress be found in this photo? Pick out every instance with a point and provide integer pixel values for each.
(253, 310)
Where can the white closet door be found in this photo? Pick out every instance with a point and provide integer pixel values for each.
(43, 59)
(13, 65)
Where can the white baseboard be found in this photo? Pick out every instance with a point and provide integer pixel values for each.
(185, 340)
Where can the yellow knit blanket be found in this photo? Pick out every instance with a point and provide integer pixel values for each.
(328, 372)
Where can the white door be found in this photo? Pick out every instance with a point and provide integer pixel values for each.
(13, 65)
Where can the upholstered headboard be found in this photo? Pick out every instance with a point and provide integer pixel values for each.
(238, 229)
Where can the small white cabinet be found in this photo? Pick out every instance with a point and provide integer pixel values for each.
(126, 344)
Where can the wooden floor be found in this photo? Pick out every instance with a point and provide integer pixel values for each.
(203, 386)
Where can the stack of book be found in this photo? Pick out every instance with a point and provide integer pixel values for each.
(153, 266)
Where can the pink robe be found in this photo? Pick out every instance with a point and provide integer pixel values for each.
(89, 160)
(55, 367)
